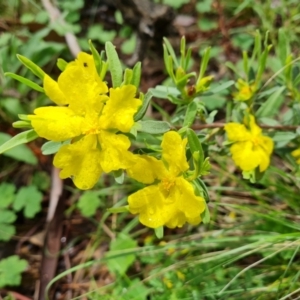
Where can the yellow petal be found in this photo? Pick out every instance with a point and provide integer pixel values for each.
(86, 61)
(248, 156)
(81, 88)
(80, 161)
(56, 123)
(254, 129)
(53, 91)
(146, 169)
(173, 152)
(148, 203)
(120, 109)
(267, 144)
(245, 90)
(296, 153)
(188, 205)
(264, 160)
(114, 154)
(244, 157)
(236, 132)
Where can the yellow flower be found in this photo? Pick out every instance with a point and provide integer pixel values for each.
(296, 154)
(250, 148)
(245, 90)
(167, 282)
(170, 200)
(90, 119)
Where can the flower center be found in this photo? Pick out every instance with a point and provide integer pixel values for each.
(91, 125)
(167, 183)
(93, 130)
(255, 141)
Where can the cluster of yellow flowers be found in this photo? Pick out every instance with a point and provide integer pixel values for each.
(94, 121)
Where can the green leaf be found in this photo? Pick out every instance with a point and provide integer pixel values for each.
(190, 114)
(143, 109)
(159, 232)
(61, 64)
(153, 127)
(119, 176)
(205, 216)
(271, 106)
(119, 265)
(219, 88)
(129, 45)
(27, 18)
(205, 167)
(7, 192)
(97, 32)
(162, 92)
(88, 203)
(283, 47)
(120, 209)
(53, 147)
(204, 63)
(127, 76)
(22, 124)
(21, 138)
(170, 50)
(284, 136)
(114, 63)
(10, 270)
(7, 231)
(97, 58)
(8, 216)
(29, 199)
(201, 187)
(20, 153)
(206, 24)
(204, 6)
(12, 106)
(175, 3)
(25, 81)
(136, 291)
(136, 76)
(23, 117)
(36, 70)
(195, 145)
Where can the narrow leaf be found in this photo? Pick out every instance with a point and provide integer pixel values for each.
(171, 51)
(154, 127)
(114, 63)
(204, 63)
(26, 81)
(136, 76)
(219, 88)
(97, 58)
(147, 98)
(127, 76)
(21, 138)
(206, 215)
(271, 105)
(61, 64)
(52, 147)
(190, 114)
(159, 232)
(36, 70)
(195, 145)
(22, 124)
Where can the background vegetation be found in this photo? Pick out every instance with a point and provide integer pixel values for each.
(250, 248)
